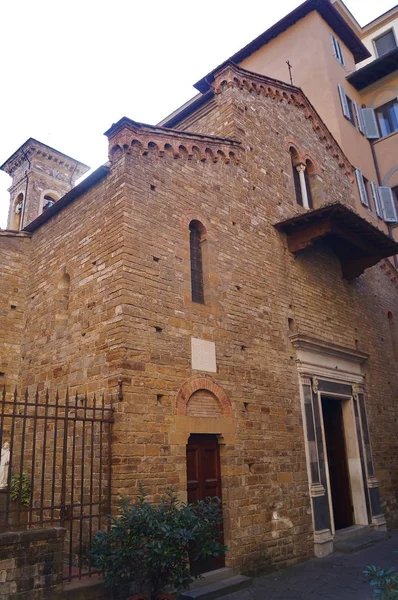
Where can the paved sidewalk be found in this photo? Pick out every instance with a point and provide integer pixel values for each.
(337, 577)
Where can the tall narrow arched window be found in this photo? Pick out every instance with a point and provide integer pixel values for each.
(196, 233)
(296, 176)
(393, 334)
(308, 176)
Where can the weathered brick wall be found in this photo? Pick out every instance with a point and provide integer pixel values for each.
(14, 255)
(125, 245)
(31, 564)
(72, 330)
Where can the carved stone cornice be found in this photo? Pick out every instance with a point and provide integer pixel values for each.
(230, 75)
(307, 342)
(127, 134)
(32, 148)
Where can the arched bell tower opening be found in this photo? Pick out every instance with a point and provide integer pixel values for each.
(15, 215)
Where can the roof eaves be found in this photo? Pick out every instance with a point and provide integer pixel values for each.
(375, 70)
(327, 12)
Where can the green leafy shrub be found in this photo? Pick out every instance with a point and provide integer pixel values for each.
(20, 488)
(384, 582)
(154, 545)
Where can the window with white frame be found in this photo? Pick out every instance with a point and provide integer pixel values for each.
(385, 43)
(337, 50)
(346, 105)
(387, 117)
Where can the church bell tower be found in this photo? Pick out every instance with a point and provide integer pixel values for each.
(40, 177)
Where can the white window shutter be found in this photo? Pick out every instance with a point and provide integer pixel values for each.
(334, 45)
(337, 49)
(387, 202)
(362, 188)
(344, 103)
(370, 123)
(376, 199)
(339, 52)
(358, 115)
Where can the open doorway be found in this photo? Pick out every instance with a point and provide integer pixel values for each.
(333, 422)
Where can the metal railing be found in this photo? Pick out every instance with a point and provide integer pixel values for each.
(56, 468)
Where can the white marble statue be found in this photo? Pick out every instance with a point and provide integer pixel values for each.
(4, 465)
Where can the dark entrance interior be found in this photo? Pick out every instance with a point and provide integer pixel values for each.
(204, 479)
(338, 466)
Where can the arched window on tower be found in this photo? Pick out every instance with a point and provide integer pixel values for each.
(48, 201)
(16, 213)
(196, 239)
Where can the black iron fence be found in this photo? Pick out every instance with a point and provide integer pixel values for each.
(55, 468)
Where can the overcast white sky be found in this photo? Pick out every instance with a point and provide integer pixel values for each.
(69, 70)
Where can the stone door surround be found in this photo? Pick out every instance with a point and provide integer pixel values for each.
(327, 369)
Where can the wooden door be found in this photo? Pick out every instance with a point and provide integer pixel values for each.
(337, 461)
(203, 480)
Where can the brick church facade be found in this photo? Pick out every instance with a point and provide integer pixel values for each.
(253, 336)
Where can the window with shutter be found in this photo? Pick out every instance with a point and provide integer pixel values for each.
(370, 123)
(358, 116)
(337, 50)
(362, 188)
(344, 103)
(376, 199)
(388, 204)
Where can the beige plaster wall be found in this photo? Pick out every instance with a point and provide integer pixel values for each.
(386, 148)
(318, 73)
(369, 35)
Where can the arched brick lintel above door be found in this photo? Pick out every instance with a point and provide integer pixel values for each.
(202, 382)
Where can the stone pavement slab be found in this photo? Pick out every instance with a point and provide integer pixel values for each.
(336, 577)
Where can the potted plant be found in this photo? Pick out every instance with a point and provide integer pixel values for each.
(152, 546)
(384, 582)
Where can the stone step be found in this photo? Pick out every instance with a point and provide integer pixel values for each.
(212, 577)
(351, 532)
(217, 588)
(360, 542)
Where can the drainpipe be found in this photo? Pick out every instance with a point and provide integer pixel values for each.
(26, 157)
(389, 225)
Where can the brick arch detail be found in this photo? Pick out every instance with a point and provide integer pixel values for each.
(202, 382)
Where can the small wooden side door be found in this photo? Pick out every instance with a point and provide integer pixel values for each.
(203, 480)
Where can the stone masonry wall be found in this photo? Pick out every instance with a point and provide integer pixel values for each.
(71, 336)
(129, 315)
(14, 256)
(31, 564)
